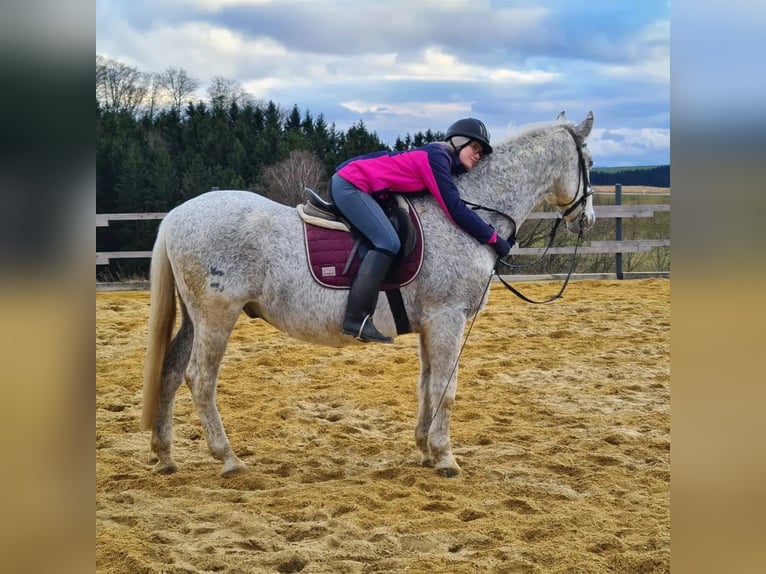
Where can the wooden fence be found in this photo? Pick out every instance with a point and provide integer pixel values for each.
(618, 246)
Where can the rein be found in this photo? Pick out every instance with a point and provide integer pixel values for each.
(577, 201)
(563, 286)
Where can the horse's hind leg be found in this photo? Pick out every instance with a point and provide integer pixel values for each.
(210, 340)
(172, 374)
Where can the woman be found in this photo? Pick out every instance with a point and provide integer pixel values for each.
(430, 167)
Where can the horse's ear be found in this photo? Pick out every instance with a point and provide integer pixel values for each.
(562, 116)
(583, 130)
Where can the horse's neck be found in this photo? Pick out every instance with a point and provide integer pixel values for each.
(511, 181)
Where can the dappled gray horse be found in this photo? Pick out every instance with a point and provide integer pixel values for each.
(225, 251)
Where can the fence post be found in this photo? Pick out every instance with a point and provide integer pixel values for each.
(618, 230)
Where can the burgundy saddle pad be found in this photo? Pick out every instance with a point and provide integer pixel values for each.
(329, 250)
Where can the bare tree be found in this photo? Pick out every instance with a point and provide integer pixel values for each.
(284, 181)
(119, 86)
(153, 95)
(224, 92)
(178, 84)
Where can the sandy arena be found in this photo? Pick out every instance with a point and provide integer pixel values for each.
(561, 426)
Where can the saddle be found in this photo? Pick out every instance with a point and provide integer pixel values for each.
(335, 249)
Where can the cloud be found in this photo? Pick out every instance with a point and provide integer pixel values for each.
(410, 109)
(649, 55)
(208, 51)
(643, 146)
(403, 66)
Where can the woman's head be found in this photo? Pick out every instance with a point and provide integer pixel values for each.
(470, 139)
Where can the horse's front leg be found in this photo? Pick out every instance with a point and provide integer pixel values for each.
(425, 416)
(443, 344)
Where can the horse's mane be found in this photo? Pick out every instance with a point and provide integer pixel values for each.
(515, 133)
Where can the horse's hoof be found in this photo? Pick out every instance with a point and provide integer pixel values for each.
(233, 469)
(428, 462)
(448, 472)
(167, 468)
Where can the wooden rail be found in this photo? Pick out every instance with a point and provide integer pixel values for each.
(103, 219)
(602, 212)
(624, 246)
(611, 211)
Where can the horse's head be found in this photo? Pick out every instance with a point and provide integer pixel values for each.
(572, 193)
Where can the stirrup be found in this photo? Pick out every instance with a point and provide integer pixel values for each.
(374, 337)
(358, 336)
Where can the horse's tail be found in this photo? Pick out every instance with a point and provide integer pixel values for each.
(162, 314)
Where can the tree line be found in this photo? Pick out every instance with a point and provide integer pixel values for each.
(658, 176)
(157, 146)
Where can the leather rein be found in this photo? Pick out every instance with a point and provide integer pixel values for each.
(577, 201)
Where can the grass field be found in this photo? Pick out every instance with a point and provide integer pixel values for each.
(633, 189)
(623, 168)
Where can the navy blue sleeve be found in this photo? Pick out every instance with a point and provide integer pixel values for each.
(463, 216)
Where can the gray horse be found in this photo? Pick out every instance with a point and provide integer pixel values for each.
(229, 251)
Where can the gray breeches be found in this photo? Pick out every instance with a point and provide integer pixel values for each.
(364, 213)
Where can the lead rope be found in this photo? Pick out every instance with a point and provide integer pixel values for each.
(465, 340)
(517, 293)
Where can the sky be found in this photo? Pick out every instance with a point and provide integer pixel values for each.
(407, 66)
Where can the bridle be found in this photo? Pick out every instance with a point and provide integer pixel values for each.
(582, 175)
(565, 209)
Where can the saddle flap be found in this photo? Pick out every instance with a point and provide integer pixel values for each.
(333, 259)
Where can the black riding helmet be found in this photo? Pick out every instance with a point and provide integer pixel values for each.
(473, 129)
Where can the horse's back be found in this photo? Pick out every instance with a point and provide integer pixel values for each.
(225, 216)
(229, 235)
(227, 206)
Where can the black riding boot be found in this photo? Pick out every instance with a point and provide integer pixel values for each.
(364, 297)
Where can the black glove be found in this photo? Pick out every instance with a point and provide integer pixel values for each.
(501, 246)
